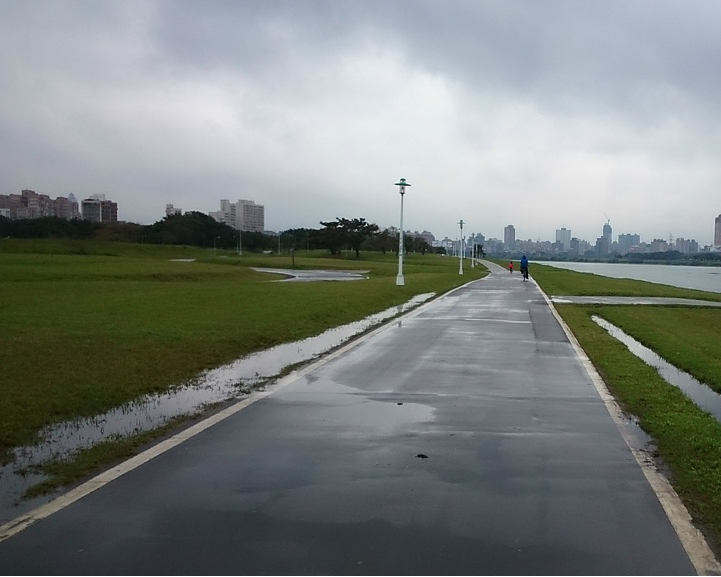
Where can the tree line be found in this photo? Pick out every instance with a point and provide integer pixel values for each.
(199, 229)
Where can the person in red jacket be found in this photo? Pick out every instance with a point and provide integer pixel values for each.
(510, 267)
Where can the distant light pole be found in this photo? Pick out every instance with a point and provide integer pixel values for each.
(240, 243)
(400, 281)
(460, 270)
(473, 250)
(214, 239)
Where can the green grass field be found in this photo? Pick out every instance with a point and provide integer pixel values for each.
(91, 326)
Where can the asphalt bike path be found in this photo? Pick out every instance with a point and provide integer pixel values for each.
(467, 437)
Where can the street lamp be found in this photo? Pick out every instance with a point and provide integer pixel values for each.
(400, 281)
(240, 243)
(214, 239)
(473, 250)
(460, 270)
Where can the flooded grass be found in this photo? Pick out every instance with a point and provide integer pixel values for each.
(706, 398)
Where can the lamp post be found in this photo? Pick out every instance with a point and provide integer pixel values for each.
(460, 270)
(473, 250)
(240, 243)
(214, 239)
(400, 281)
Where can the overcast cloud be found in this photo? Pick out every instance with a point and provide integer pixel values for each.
(541, 114)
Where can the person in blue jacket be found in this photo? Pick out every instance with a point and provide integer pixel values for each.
(524, 267)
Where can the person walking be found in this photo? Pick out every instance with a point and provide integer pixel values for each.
(510, 267)
(524, 268)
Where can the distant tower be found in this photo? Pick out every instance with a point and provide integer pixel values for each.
(607, 231)
(563, 236)
(509, 237)
(717, 232)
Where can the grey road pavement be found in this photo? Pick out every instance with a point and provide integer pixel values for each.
(465, 438)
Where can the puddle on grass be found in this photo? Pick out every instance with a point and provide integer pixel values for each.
(706, 398)
(225, 383)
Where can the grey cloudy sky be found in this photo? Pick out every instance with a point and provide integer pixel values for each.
(541, 114)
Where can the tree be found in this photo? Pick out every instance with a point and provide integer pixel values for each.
(420, 245)
(332, 236)
(303, 238)
(46, 227)
(384, 241)
(192, 228)
(346, 232)
(357, 231)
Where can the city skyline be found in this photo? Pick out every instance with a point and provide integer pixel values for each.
(252, 218)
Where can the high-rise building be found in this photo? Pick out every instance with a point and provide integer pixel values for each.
(686, 246)
(607, 232)
(563, 236)
(627, 241)
(170, 210)
(509, 237)
(244, 215)
(717, 232)
(97, 209)
(250, 216)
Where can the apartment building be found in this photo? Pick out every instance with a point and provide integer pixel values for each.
(30, 204)
(97, 209)
(243, 215)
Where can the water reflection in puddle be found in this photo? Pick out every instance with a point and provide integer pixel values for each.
(222, 384)
(703, 396)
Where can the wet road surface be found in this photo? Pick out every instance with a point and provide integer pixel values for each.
(465, 439)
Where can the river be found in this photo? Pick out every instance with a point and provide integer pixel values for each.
(705, 278)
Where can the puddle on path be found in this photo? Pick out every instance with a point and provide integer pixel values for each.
(225, 383)
(699, 393)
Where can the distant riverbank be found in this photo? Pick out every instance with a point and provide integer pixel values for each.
(693, 277)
